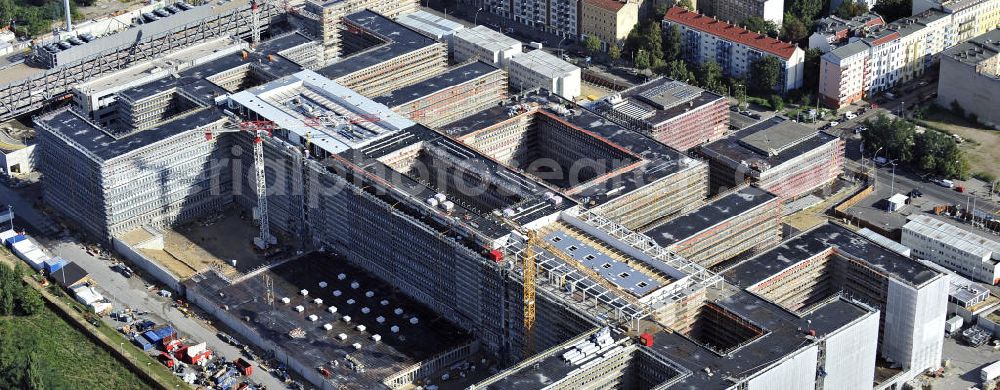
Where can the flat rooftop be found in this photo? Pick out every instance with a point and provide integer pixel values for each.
(331, 116)
(976, 50)
(658, 161)
(400, 40)
(608, 264)
(549, 369)
(548, 65)
(773, 141)
(411, 344)
(94, 139)
(196, 80)
(813, 242)
(452, 77)
(711, 214)
(421, 163)
(487, 38)
(956, 236)
(782, 336)
(659, 101)
(428, 23)
(184, 58)
(777, 138)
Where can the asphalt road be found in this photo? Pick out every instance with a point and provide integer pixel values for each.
(124, 292)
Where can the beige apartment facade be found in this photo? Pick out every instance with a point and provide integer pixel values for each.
(609, 20)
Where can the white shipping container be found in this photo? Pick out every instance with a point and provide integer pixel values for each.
(953, 324)
(990, 372)
(35, 258)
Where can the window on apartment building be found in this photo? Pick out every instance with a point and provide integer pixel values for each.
(623, 275)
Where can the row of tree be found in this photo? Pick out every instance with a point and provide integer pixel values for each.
(34, 17)
(930, 150)
(15, 297)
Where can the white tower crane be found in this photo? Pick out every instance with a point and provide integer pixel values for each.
(258, 130)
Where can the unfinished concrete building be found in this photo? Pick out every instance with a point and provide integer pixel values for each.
(459, 92)
(680, 115)
(630, 178)
(24, 88)
(731, 226)
(830, 261)
(777, 155)
(324, 18)
(156, 168)
(380, 55)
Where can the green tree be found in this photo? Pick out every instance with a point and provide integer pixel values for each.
(792, 29)
(810, 74)
(10, 289)
(614, 53)
(850, 8)
(591, 45)
(686, 4)
(654, 43)
(807, 10)
(892, 10)
(760, 25)
(31, 302)
(895, 135)
(642, 60)
(765, 74)
(710, 77)
(777, 103)
(672, 46)
(677, 70)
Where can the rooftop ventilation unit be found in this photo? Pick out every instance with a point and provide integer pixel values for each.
(304, 292)
(360, 328)
(394, 329)
(332, 309)
(300, 309)
(322, 284)
(318, 301)
(346, 318)
(380, 319)
(398, 311)
(285, 300)
(355, 285)
(342, 337)
(414, 320)
(384, 302)
(376, 337)
(313, 318)
(341, 276)
(366, 310)
(351, 301)
(356, 345)
(328, 327)
(337, 293)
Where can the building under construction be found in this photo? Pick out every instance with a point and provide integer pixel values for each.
(28, 89)
(324, 19)
(731, 226)
(777, 155)
(831, 261)
(380, 56)
(152, 166)
(680, 115)
(458, 93)
(514, 229)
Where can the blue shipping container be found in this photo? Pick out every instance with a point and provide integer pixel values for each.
(152, 337)
(54, 264)
(142, 343)
(164, 332)
(16, 239)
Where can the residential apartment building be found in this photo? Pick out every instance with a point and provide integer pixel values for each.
(883, 57)
(970, 75)
(483, 44)
(735, 49)
(960, 250)
(971, 17)
(833, 31)
(559, 17)
(609, 20)
(738, 11)
(539, 69)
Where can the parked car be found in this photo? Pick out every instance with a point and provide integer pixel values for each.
(915, 193)
(850, 115)
(945, 183)
(834, 124)
(960, 189)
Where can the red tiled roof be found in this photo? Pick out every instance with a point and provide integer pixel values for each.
(886, 38)
(730, 32)
(611, 5)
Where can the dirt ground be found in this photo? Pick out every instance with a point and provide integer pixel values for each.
(103, 8)
(212, 241)
(816, 214)
(982, 146)
(587, 89)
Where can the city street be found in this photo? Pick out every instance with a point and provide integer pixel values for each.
(127, 292)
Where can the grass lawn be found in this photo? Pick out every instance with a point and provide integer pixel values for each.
(63, 357)
(982, 147)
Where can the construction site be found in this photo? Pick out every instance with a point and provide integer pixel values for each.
(326, 183)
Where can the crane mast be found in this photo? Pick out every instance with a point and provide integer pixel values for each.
(258, 130)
